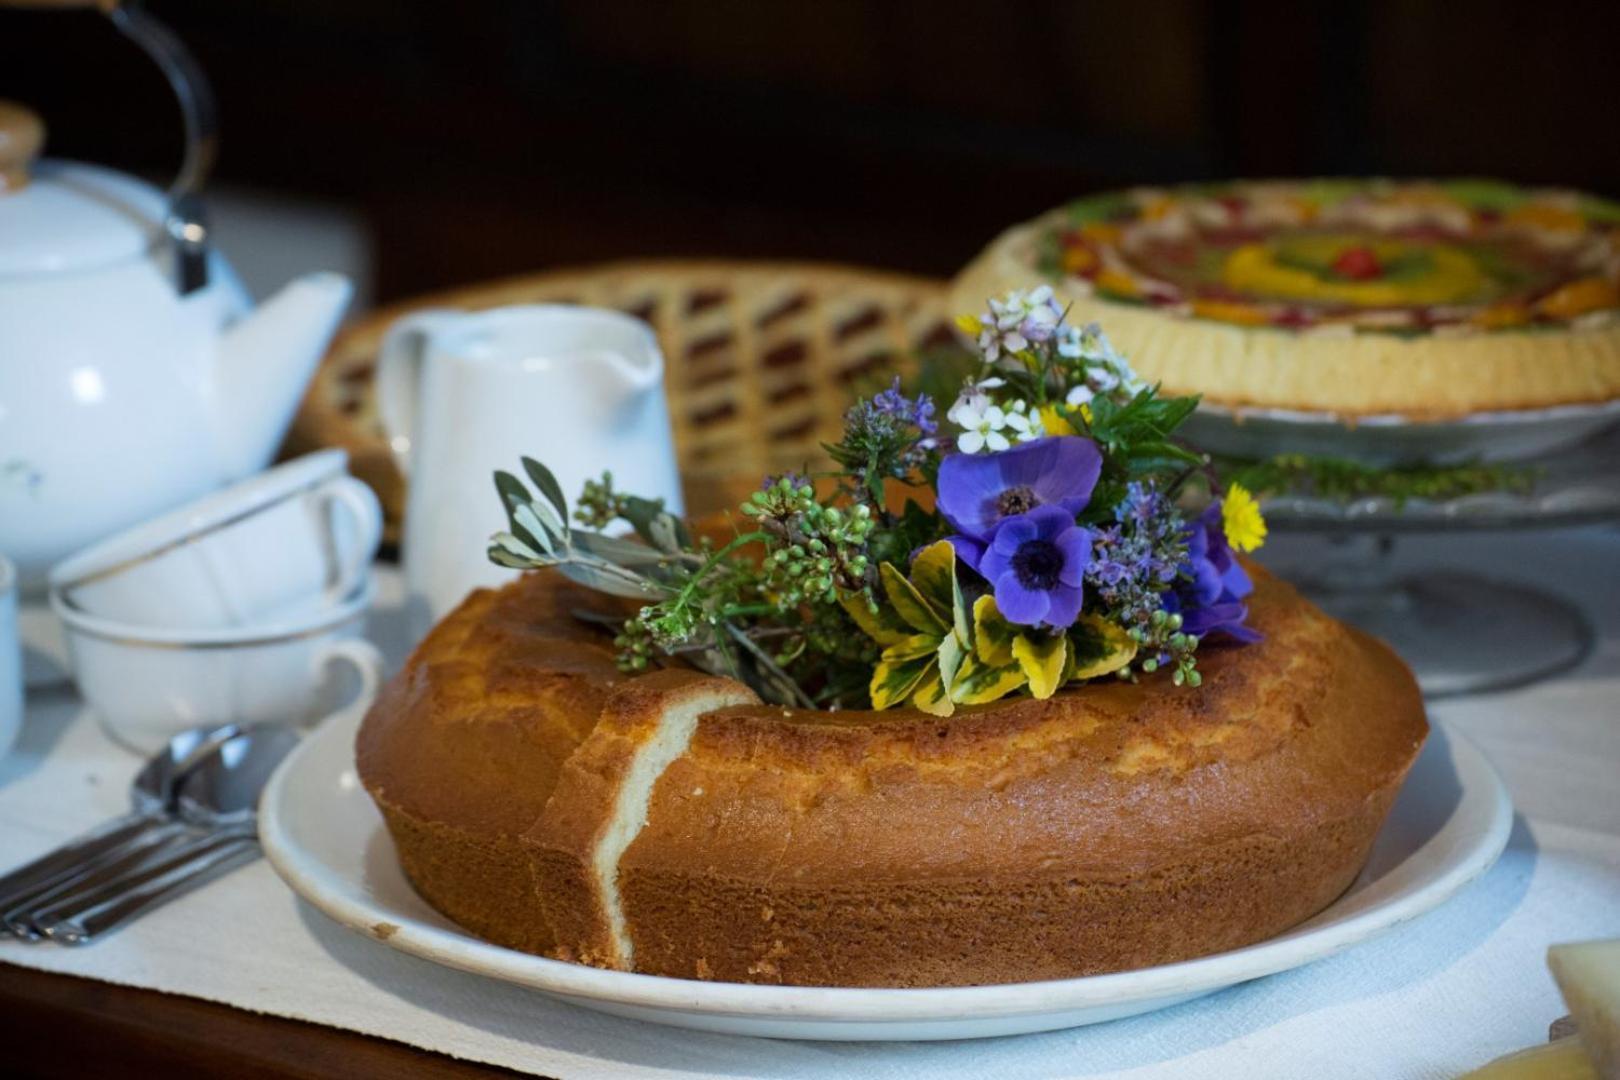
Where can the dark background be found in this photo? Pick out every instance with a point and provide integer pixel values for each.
(489, 137)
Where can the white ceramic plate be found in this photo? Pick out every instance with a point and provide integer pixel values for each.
(1391, 440)
(326, 840)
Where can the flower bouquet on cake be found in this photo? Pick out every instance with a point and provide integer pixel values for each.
(1033, 538)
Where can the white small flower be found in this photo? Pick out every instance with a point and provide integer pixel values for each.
(1037, 427)
(981, 422)
(1068, 342)
(1024, 423)
(1037, 330)
(1099, 368)
(968, 407)
(1017, 320)
(1078, 396)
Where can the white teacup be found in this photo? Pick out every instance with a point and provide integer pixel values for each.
(291, 541)
(147, 684)
(11, 686)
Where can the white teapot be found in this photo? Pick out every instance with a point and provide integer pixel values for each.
(133, 377)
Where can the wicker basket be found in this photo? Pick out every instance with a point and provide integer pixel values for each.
(761, 359)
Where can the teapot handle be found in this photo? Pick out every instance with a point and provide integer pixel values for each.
(185, 223)
(400, 360)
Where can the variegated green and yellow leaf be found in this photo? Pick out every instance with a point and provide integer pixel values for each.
(1042, 658)
(909, 603)
(960, 620)
(1098, 647)
(992, 634)
(933, 572)
(895, 680)
(977, 682)
(911, 647)
(933, 694)
(882, 626)
(930, 696)
(949, 656)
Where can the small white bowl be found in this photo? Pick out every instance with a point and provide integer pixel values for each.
(11, 685)
(148, 683)
(293, 540)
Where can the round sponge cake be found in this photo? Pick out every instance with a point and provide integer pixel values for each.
(671, 824)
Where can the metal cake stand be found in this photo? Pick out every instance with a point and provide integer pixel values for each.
(1461, 632)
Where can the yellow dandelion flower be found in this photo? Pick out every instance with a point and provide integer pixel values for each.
(1054, 422)
(969, 324)
(1241, 519)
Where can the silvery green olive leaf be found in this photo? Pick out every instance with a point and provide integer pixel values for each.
(664, 532)
(548, 486)
(642, 513)
(510, 489)
(541, 523)
(515, 547)
(605, 577)
(501, 557)
(629, 553)
(513, 494)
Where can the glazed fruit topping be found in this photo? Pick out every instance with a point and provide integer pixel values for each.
(1358, 263)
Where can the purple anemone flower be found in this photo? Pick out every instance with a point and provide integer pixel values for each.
(1212, 601)
(977, 491)
(1036, 562)
(968, 550)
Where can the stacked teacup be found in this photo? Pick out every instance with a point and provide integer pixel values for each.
(11, 682)
(240, 607)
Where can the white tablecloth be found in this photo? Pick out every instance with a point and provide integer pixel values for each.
(1430, 999)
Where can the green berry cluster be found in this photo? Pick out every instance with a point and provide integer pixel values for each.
(817, 552)
(780, 502)
(635, 644)
(598, 504)
(1165, 644)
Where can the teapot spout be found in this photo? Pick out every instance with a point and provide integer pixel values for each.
(264, 364)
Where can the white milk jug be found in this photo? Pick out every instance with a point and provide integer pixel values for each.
(465, 393)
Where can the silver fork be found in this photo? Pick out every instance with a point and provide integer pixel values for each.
(118, 843)
(217, 807)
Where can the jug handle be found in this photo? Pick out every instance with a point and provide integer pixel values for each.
(400, 360)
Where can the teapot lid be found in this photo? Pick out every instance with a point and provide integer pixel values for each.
(65, 217)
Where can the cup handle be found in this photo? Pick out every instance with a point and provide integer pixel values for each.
(399, 377)
(366, 659)
(360, 502)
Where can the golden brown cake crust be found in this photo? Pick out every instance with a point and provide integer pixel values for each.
(1111, 827)
(562, 843)
(463, 747)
